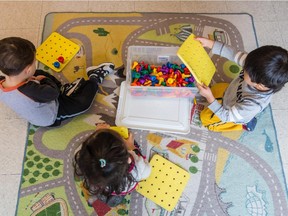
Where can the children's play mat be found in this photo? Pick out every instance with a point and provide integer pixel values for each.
(237, 173)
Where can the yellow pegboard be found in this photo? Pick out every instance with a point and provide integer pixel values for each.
(165, 184)
(196, 59)
(56, 46)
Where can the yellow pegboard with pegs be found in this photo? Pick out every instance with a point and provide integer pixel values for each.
(196, 59)
(56, 51)
(165, 184)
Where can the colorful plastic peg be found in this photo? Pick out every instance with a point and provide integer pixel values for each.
(170, 81)
(60, 59)
(56, 64)
(134, 65)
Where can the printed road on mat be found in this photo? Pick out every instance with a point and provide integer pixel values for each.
(230, 174)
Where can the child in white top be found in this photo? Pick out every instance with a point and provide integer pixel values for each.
(111, 166)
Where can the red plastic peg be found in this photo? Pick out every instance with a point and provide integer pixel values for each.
(60, 59)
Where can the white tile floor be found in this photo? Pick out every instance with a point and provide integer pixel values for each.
(25, 19)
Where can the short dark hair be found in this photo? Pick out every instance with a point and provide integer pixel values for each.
(15, 55)
(108, 145)
(268, 65)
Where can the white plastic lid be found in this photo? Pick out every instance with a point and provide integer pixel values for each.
(153, 113)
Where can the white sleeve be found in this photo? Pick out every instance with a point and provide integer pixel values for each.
(143, 168)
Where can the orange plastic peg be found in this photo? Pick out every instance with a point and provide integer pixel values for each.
(134, 65)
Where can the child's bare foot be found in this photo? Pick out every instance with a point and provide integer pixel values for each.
(102, 125)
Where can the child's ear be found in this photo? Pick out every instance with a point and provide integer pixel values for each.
(129, 160)
(261, 87)
(27, 69)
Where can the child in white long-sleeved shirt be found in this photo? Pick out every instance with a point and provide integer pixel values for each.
(110, 165)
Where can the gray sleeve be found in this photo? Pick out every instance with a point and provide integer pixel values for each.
(229, 52)
(239, 113)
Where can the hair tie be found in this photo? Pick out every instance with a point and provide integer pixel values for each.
(102, 162)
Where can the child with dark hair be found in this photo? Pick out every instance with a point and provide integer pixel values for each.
(110, 165)
(36, 95)
(234, 106)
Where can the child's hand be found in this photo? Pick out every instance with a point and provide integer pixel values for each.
(205, 42)
(130, 142)
(39, 77)
(206, 92)
(102, 125)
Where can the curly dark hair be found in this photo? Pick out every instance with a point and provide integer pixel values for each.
(268, 65)
(114, 176)
(15, 55)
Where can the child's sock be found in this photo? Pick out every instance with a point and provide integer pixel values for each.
(250, 126)
(99, 72)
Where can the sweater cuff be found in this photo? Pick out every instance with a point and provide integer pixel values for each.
(217, 47)
(214, 106)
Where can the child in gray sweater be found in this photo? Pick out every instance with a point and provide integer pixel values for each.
(36, 95)
(234, 106)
